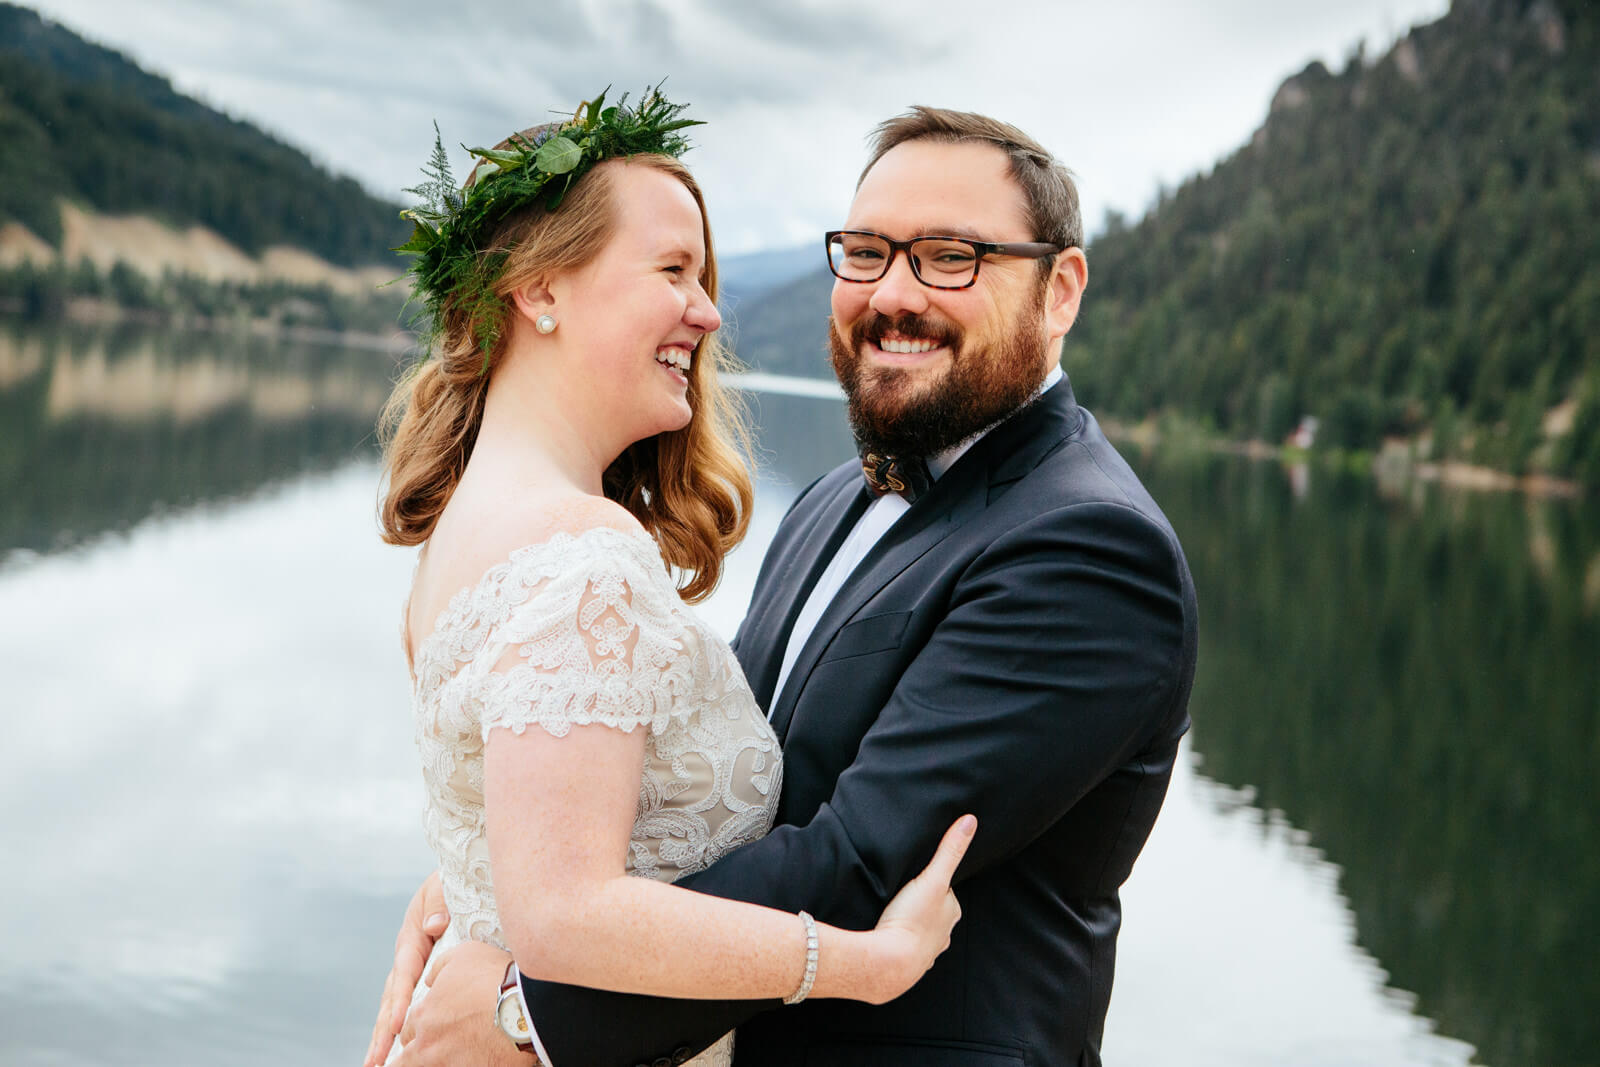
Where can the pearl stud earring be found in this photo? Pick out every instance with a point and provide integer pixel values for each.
(545, 324)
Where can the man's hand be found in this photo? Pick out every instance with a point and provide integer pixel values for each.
(426, 918)
(454, 1023)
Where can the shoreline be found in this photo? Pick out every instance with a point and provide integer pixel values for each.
(91, 312)
(1393, 464)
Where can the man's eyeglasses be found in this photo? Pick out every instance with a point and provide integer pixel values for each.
(938, 262)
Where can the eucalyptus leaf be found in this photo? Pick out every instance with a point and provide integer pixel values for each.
(422, 219)
(504, 158)
(487, 169)
(557, 156)
(422, 238)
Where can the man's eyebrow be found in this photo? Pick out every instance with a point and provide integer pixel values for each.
(955, 231)
(942, 230)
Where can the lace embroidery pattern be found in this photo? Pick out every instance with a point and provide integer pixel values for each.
(577, 630)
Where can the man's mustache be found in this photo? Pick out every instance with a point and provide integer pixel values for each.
(875, 327)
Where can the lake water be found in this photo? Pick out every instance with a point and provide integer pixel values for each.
(1378, 850)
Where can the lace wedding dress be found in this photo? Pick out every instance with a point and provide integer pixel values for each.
(581, 629)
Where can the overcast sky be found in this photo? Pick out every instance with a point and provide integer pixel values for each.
(1131, 95)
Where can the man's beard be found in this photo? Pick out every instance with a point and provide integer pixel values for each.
(890, 413)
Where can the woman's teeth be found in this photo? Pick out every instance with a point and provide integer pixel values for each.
(907, 347)
(676, 358)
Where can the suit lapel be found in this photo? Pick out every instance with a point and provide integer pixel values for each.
(801, 560)
(1005, 455)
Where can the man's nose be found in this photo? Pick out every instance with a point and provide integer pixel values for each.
(898, 292)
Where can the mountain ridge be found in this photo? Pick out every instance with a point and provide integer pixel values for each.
(85, 124)
(1407, 250)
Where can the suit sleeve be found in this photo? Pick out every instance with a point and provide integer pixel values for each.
(1060, 656)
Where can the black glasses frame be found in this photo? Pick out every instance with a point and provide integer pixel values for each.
(980, 249)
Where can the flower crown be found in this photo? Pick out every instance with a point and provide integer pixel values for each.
(452, 224)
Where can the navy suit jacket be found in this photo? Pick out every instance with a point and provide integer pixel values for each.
(1019, 645)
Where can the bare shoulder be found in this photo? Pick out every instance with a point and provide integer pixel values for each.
(478, 533)
(580, 512)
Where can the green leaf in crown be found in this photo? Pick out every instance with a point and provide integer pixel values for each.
(557, 156)
(452, 224)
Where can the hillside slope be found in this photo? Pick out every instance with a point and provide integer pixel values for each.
(1410, 246)
(84, 124)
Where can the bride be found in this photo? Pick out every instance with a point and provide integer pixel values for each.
(565, 451)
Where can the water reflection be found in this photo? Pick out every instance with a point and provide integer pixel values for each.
(1413, 682)
(208, 782)
(100, 428)
(1238, 950)
(210, 787)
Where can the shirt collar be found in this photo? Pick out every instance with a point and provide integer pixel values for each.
(943, 461)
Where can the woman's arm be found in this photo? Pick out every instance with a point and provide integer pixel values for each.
(560, 814)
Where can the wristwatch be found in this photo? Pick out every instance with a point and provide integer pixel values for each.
(509, 1014)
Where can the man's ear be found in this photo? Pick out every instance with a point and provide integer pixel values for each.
(1067, 282)
(533, 299)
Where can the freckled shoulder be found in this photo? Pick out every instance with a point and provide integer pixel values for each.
(487, 538)
(579, 512)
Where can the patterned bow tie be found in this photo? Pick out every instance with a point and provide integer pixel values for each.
(907, 475)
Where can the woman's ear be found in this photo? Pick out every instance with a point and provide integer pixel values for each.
(532, 300)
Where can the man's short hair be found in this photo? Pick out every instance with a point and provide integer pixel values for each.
(1046, 184)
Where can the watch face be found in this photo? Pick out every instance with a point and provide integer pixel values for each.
(511, 1019)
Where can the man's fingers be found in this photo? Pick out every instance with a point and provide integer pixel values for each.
(425, 920)
(433, 968)
(426, 917)
(382, 1041)
(408, 964)
(382, 1031)
(952, 848)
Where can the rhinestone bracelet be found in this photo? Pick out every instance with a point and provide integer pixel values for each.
(811, 961)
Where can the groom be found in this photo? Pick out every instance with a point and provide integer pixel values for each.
(1017, 641)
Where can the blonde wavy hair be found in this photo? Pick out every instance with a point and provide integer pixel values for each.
(689, 488)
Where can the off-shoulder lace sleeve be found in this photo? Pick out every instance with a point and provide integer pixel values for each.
(592, 632)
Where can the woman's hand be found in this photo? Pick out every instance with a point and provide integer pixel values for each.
(425, 920)
(915, 926)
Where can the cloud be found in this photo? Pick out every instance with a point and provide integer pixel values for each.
(827, 31)
(1131, 96)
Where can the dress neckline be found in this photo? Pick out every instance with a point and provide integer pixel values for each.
(464, 597)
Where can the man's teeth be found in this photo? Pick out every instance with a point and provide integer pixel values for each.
(673, 357)
(907, 347)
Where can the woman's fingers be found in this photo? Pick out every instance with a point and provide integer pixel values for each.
(952, 848)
